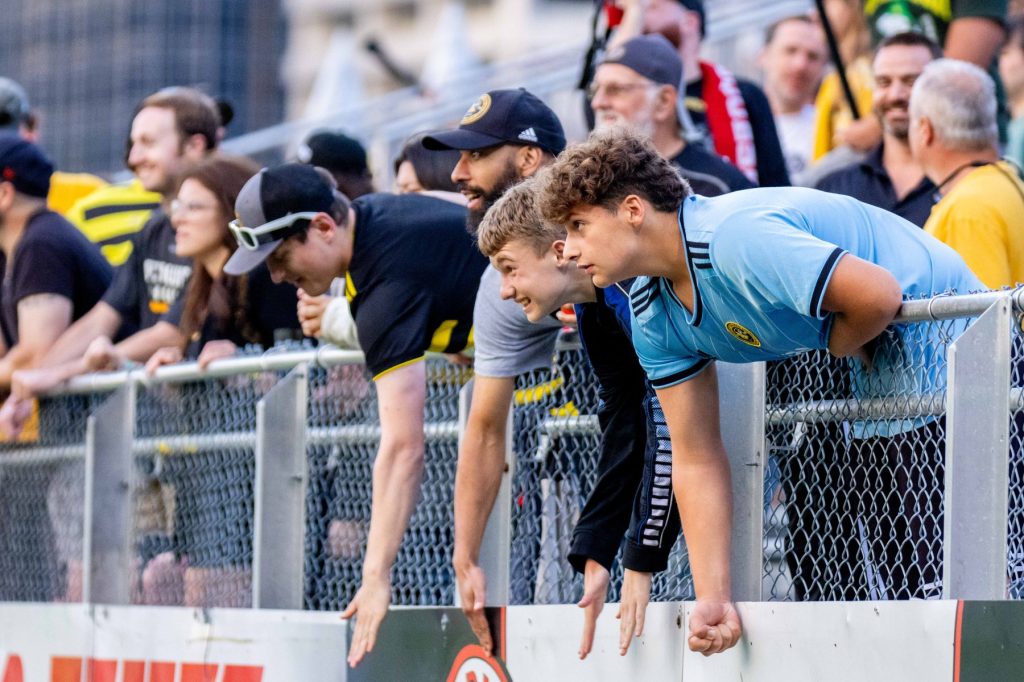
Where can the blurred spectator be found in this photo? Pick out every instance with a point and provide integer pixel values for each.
(1011, 69)
(740, 129)
(420, 170)
(835, 126)
(953, 134)
(52, 274)
(971, 31)
(342, 156)
(16, 115)
(793, 61)
(637, 85)
(889, 177)
(173, 128)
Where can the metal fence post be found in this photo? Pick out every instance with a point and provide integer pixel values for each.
(742, 416)
(106, 542)
(977, 458)
(497, 540)
(280, 494)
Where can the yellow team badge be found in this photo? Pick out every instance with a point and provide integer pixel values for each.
(743, 334)
(477, 111)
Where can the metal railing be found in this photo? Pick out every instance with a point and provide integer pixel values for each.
(249, 483)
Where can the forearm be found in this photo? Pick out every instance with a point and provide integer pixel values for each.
(851, 332)
(703, 491)
(140, 346)
(397, 474)
(974, 39)
(477, 480)
(19, 357)
(102, 320)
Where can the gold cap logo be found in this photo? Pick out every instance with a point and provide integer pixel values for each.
(743, 334)
(477, 111)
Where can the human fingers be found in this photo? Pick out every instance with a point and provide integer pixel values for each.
(590, 613)
(481, 628)
(627, 621)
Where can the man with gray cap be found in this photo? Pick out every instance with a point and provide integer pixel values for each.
(411, 273)
(637, 84)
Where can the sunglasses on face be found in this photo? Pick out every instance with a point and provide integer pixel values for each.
(251, 237)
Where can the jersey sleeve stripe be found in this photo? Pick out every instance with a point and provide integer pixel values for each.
(687, 373)
(819, 287)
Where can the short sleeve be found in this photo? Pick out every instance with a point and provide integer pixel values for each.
(44, 267)
(124, 292)
(748, 258)
(393, 324)
(506, 344)
(664, 367)
(176, 312)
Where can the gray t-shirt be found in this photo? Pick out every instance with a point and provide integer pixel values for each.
(506, 343)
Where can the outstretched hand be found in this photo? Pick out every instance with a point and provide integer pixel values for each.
(714, 626)
(595, 591)
(636, 593)
(472, 583)
(370, 605)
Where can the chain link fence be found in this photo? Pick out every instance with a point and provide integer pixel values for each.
(853, 482)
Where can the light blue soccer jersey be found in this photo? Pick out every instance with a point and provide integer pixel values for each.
(760, 261)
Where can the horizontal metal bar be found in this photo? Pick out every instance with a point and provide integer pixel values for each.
(951, 307)
(581, 425)
(18, 455)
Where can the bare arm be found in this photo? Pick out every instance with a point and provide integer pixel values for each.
(41, 320)
(974, 39)
(397, 473)
(477, 479)
(632, 23)
(141, 345)
(700, 481)
(102, 320)
(865, 298)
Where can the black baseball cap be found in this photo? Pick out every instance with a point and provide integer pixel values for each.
(14, 106)
(24, 165)
(334, 151)
(652, 56)
(502, 117)
(272, 195)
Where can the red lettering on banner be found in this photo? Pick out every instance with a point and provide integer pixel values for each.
(65, 669)
(161, 672)
(134, 671)
(13, 671)
(198, 672)
(243, 673)
(101, 670)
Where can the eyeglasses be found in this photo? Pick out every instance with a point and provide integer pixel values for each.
(251, 237)
(179, 206)
(614, 89)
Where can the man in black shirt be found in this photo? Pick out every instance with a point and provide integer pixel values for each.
(888, 177)
(52, 274)
(638, 84)
(733, 113)
(411, 274)
(173, 128)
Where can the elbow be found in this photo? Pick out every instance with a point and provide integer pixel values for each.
(890, 300)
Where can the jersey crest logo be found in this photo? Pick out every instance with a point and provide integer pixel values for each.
(477, 111)
(743, 334)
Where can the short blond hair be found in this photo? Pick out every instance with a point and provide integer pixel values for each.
(515, 216)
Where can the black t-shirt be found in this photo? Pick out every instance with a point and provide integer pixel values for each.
(868, 181)
(413, 278)
(709, 174)
(52, 257)
(152, 278)
(270, 314)
(771, 164)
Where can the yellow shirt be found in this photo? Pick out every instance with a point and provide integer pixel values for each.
(111, 215)
(982, 218)
(67, 188)
(832, 113)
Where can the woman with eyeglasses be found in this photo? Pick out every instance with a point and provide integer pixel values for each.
(216, 315)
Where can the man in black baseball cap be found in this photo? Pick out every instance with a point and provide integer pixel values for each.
(343, 156)
(411, 274)
(504, 137)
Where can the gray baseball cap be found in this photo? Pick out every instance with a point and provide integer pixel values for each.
(275, 204)
(14, 106)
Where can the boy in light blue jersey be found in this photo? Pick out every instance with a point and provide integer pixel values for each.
(754, 275)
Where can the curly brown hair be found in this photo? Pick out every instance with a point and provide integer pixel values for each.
(602, 171)
(515, 216)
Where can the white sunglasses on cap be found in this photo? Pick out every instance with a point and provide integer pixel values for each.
(251, 237)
